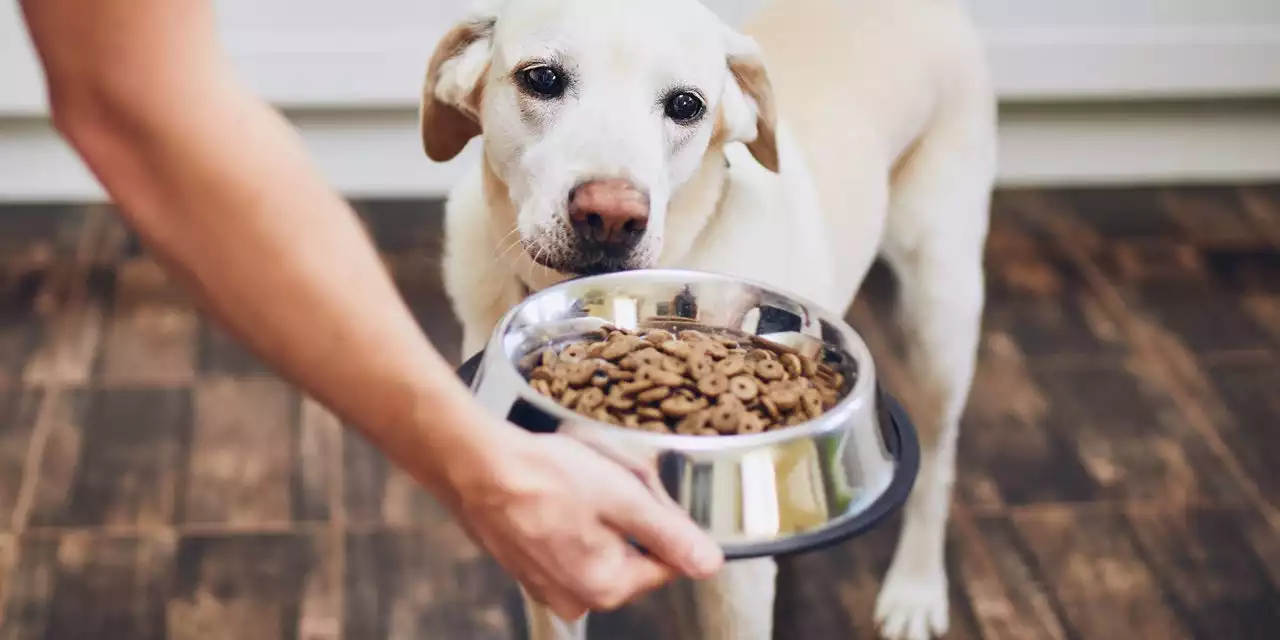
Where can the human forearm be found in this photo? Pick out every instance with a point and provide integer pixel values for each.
(267, 248)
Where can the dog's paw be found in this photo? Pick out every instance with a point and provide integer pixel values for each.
(913, 606)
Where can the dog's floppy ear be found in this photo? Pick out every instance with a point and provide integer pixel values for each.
(449, 115)
(749, 112)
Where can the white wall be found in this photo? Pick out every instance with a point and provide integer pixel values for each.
(355, 67)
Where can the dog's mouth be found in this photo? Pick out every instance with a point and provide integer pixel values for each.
(579, 261)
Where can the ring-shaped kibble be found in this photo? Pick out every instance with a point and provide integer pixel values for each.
(750, 423)
(678, 406)
(649, 413)
(732, 365)
(615, 400)
(770, 408)
(677, 348)
(792, 363)
(581, 372)
(812, 401)
(690, 335)
(658, 336)
(590, 398)
(770, 370)
(744, 388)
(616, 349)
(541, 386)
(715, 350)
(675, 365)
(724, 418)
(713, 384)
(785, 397)
(700, 367)
(570, 397)
(649, 357)
(549, 359)
(694, 422)
(653, 395)
(573, 353)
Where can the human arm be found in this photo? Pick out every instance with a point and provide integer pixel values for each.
(220, 189)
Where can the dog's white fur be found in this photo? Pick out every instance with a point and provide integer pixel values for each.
(888, 149)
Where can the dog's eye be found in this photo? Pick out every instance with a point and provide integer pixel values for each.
(542, 81)
(684, 106)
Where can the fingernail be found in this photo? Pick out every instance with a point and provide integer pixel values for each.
(706, 557)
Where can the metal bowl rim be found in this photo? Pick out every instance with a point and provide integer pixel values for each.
(859, 401)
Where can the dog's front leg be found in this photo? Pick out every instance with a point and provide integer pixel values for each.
(544, 625)
(934, 243)
(737, 604)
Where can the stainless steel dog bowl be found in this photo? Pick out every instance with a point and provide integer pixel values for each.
(773, 493)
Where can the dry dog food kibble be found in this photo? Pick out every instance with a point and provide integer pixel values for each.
(692, 382)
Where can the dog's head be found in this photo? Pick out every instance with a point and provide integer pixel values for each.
(594, 113)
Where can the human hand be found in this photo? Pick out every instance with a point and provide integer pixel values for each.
(557, 515)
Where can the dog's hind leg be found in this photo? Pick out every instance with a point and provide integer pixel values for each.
(737, 604)
(934, 243)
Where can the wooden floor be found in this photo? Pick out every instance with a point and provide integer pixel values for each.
(1118, 475)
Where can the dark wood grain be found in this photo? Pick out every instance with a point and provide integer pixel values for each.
(242, 453)
(1204, 560)
(1249, 393)
(1114, 481)
(1009, 600)
(260, 586)
(20, 326)
(110, 588)
(131, 462)
(407, 584)
(1096, 572)
(318, 469)
(18, 412)
(151, 335)
(1134, 445)
(27, 599)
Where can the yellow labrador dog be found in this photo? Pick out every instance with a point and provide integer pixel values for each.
(626, 134)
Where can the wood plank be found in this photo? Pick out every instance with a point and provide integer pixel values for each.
(1009, 602)
(230, 587)
(1131, 437)
(220, 354)
(1009, 454)
(405, 584)
(1093, 567)
(111, 588)
(20, 326)
(151, 333)
(18, 411)
(242, 457)
(68, 350)
(1212, 217)
(60, 460)
(1037, 298)
(134, 447)
(1204, 560)
(377, 493)
(26, 602)
(318, 470)
(1248, 393)
(1120, 212)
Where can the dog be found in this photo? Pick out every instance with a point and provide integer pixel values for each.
(633, 134)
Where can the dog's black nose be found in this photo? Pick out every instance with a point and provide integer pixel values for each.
(609, 214)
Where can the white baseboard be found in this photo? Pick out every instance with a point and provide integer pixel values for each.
(377, 153)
